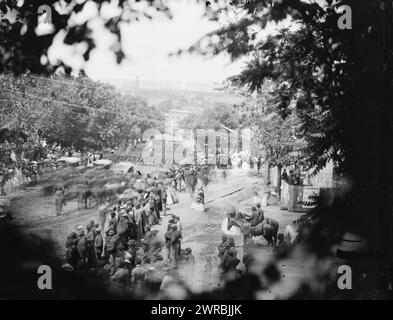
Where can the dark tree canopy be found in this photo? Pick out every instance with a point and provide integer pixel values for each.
(338, 82)
(22, 48)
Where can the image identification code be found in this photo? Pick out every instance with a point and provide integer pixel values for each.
(199, 309)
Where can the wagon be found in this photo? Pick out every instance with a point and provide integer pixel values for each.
(69, 161)
(102, 163)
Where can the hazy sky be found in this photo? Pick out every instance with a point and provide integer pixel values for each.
(147, 44)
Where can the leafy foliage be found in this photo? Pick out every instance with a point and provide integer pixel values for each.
(24, 47)
(278, 139)
(315, 63)
(338, 83)
(73, 114)
(213, 118)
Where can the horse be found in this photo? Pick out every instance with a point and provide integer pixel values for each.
(84, 196)
(239, 220)
(268, 228)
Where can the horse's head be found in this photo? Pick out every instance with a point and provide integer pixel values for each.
(244, 226)
(231, 223)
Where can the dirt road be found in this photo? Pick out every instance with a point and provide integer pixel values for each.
(201, 230)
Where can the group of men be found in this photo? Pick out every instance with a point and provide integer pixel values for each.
(124, 251)
(123, 240)
(121, 263)
(180, 175)
(228, 258)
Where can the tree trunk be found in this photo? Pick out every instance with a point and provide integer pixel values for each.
(267, 180)
(278, 189)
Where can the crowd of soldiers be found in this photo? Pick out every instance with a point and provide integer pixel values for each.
(188, 176)
(124, 251)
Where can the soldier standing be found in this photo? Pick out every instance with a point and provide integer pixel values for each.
(59, 200)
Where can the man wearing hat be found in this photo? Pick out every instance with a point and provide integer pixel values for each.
(147, 238)
(167, 238)
(232, 246)
(254, 218)
(59, 200)
(261, 214)
(179, 227)
(164, 197)
(98, 243)
(90, 237)
(175, 240)
(111, 247)
(221, 247)
(81, 245)
(113, 221)
(122, 227)
(226, 248)
(138, 220)
(72, 255)
(190, 259)
(230, 262)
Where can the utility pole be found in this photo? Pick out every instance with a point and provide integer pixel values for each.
(173, 141)
(238, 127)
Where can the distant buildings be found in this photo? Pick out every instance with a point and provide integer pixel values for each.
(194, 97)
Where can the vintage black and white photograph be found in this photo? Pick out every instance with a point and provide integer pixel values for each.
(196, 150)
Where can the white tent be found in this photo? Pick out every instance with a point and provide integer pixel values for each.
(102, 162)
(69, 160)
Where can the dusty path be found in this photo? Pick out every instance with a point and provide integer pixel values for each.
(33, 213)
(201, 230)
